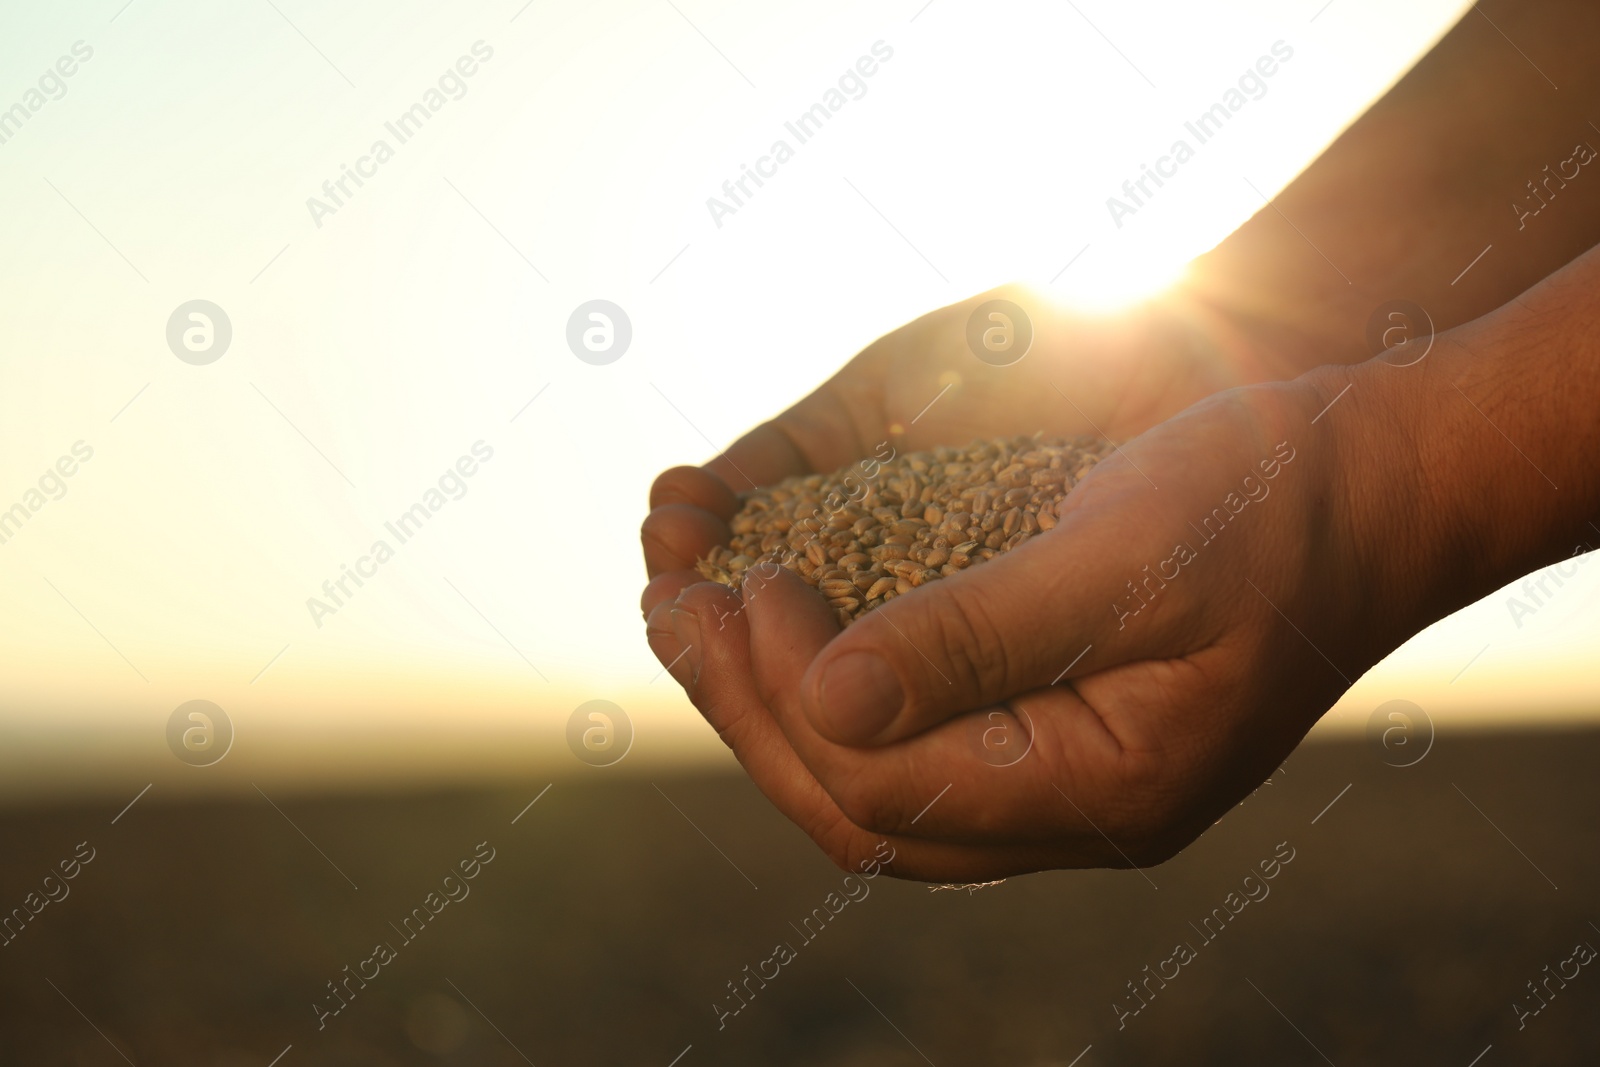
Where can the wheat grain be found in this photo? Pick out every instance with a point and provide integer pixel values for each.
(874, 531)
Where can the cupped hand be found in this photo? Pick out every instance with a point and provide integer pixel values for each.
(1098, 696)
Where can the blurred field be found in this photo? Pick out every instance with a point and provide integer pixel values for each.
(606, 926)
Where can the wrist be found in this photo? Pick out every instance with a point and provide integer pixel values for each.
(1386, 553)
(1475, 465)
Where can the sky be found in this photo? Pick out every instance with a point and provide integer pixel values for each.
(406, 334)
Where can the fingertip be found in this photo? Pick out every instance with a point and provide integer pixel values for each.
(708, 623)
(663, 639)
(665, 587)
(701, 595)
(712, 609)
(697, 487)
(675, 536)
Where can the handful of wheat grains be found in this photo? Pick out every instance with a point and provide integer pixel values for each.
(868, 533)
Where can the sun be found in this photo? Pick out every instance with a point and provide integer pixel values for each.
(1114, 280)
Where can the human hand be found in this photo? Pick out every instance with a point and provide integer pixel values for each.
(1198, 605)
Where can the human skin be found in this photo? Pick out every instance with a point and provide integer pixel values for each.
(1420, 489)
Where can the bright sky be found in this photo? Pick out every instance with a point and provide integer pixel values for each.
(421, 316)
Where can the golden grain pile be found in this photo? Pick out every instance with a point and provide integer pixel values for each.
(879, 529)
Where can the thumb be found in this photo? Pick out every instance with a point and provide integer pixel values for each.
(1080, 598)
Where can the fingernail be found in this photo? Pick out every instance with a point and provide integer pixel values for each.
(686, 625)
(860, 696)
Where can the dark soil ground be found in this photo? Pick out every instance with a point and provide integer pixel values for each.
(607, 926)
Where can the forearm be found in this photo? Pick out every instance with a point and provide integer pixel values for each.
(1404, 200)
(1481, 462)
